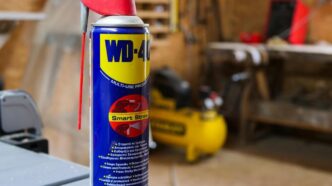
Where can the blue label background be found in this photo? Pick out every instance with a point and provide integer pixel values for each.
(104, 93)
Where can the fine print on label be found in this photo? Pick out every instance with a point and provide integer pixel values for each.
(126, 156)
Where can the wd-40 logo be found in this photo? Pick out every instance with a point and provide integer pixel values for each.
(123, 51)
(125, 58)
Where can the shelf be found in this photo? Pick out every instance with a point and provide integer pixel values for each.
(317, 53)
(153, 1)
(158, 18)
(159, 42)
(159, 29)
(153, 14)
(24, 16)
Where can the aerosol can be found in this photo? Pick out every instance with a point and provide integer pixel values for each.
(119, 94)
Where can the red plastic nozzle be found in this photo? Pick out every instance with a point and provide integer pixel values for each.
(112, 7)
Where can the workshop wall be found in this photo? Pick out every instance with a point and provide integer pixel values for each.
(24, 6)
(251, 16)
(185, 47)
(227, 22)
(183, 50)
(15, 54)
(321, 21)
(242, 16)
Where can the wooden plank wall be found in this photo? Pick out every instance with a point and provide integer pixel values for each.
(321, 21)
(22, 6)
(184, 50)
(15, 54)
(236, 16)
(242, 16)
(251, 16)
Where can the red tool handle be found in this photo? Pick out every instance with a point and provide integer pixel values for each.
(299, 28)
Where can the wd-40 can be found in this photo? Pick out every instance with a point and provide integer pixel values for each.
(120, 69)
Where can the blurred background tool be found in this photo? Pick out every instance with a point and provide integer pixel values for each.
(20, 123)
(175, 121)
(21, 127)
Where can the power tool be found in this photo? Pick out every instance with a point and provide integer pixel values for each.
(20, 123)
(176, 122)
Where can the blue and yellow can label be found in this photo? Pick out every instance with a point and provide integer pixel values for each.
(120, 106)
(125, 58)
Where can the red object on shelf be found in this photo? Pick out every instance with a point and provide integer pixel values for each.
(251, 38)
(299, 28)
(112, 7)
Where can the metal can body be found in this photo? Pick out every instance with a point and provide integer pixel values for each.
(119, 103)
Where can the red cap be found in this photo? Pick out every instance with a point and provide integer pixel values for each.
(111, 7)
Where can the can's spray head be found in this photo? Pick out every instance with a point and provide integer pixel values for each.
(112, 7)
(105, 8)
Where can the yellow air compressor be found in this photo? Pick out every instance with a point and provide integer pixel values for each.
(175, 122)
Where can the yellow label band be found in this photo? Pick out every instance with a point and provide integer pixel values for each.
(125, 57)
(129, 116)
(168, 127)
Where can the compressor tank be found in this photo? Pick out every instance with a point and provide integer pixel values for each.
(200, 133)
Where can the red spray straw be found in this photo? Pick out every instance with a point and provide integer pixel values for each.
(84, 27)
(79, 119)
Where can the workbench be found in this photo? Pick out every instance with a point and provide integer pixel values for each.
(317, 53)
(22, 167)
(272, 92)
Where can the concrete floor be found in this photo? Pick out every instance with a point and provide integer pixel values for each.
(274, 161)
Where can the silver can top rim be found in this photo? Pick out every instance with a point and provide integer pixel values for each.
(120, 21)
